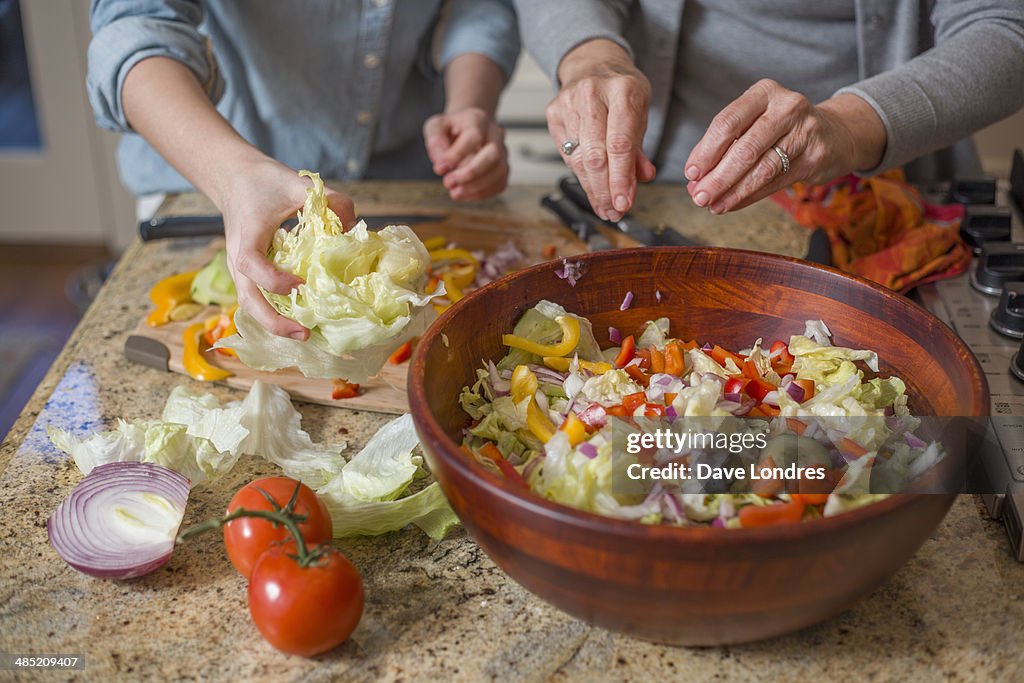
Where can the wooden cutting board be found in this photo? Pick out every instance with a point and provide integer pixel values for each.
(161, 347)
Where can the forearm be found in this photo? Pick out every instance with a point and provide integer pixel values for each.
(164, 102)
(868, 137)
(473, 80)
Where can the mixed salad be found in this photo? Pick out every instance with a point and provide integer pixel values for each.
(822, 433)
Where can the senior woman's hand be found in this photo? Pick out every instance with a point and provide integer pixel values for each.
(602, 106)
(744, 153)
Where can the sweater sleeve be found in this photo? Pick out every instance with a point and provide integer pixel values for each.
(126, 32)
(974, 76)
(550, 30)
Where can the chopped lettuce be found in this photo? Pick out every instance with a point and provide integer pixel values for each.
(213, 284)
(538, 324)
(655, 334)
(363, 295)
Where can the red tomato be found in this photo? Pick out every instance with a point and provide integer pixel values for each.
(305, 610)
(248, 537)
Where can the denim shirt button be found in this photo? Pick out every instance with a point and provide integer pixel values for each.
(364, 118)
(371, 61)
(352, 166)
(380, 3)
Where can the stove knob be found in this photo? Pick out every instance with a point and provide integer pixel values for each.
(1000, 262)
(985, 224)
(972, 191)
(1017, 363)
(1008, 316)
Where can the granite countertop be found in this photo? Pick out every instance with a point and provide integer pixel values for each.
(434, 610)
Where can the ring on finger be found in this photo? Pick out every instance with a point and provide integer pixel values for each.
(569, 146)
(783, 157)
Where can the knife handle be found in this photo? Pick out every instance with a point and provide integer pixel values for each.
(570, 214)
(181, 226)
(571, 188)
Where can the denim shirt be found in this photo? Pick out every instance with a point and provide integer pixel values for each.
(341, 87)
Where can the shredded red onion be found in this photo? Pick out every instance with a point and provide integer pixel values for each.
(571, 271)
(913, 441)
(614, 335)
(670, 412)
(121, 521)
(674, 505)
(795, 391)
(736, 398)
(707, 348)
(594, 415)
(497, 263)
(627, 301)
(531, 466)
(657, 295)
(588, 449)
(718, 523)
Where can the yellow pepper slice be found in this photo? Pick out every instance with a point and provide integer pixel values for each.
(451, 287)
(192, 357)
(434, 243)
(167, 294)
(570, 337)
(524, 384)
(562, 365)
(453, 255)
(463, 276)
(574, 429)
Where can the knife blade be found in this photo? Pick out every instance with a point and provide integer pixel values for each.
(165, 227)
(582, 225)
(658, 236)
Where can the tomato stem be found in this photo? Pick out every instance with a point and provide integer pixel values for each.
(282, 516)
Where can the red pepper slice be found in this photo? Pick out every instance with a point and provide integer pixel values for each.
(631, 402)
(638, 375)
(344, 389)
(401, 354)
(736, 384)
(771, 515)
(654, 410)
(783, 357)
(750, 370)
(758, 388)
(490, 451)
(626, 352)
(720, 355)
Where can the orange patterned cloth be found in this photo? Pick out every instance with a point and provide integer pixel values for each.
(880, 228)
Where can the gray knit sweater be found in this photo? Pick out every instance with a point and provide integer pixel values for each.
(935, 70)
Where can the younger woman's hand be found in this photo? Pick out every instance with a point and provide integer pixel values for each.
(467, 149)
(254, 202)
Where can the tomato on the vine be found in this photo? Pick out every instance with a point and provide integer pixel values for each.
(247, 538)
(305, 610)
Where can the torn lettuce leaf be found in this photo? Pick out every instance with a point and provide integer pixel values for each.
(363, 296)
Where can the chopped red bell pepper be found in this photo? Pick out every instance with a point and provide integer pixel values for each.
(736, 384)
(631, 402)
(626, 352)
(401, 354)
(638, 375)
(344, 389)
(720, 355)
(491, 452)
(780, 354)
(758, 388)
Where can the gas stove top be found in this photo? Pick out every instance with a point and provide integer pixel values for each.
(986, 309)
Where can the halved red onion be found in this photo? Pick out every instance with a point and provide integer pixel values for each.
(614, 335)
(627, 301)
(121, 521)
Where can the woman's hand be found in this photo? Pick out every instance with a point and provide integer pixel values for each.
(255, 200)
(735, 163)
(467, 149)
(602, 105)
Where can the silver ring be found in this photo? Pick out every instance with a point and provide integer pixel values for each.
(569, 146)
(783, 157)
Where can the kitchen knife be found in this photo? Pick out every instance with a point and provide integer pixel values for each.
(659, 236)
(209, 226)
(584, 226)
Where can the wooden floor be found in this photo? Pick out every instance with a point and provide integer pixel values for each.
(40, 296)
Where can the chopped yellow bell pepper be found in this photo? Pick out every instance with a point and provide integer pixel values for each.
(453, 255)
(434, 243)
(167, 294)
(451, 288)
(463, 276)
(524, 384)
(562, 365)
(574, 429)
(570, 337)
(192, 357)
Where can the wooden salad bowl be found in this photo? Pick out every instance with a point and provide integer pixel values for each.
(695, 585)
